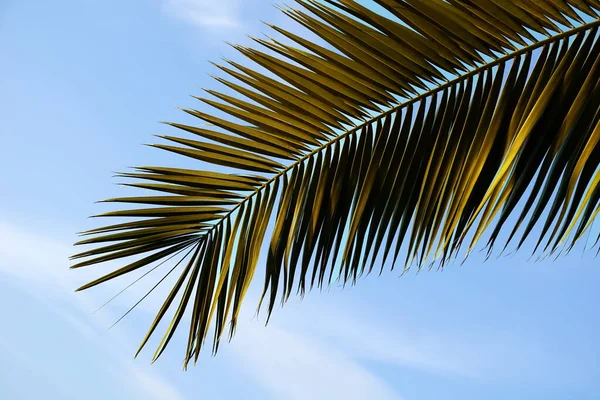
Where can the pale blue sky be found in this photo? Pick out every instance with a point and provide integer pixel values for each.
(82, 85)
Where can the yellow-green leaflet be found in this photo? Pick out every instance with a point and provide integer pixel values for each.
(359, 138)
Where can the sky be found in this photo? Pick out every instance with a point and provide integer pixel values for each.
(83, 84)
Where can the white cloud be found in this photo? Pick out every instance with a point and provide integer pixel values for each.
(32, 258)
(153, 386)
(472, 352)
(291, 366)
(36, 373)
(143, 381)
(469, 351)
(39, 265)
(208, 14)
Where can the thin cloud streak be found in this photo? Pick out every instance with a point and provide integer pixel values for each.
(44, 275)
(291, 366)
(207, 14)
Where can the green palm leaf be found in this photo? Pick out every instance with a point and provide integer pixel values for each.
(421, 129)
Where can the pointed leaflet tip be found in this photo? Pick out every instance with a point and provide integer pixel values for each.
(282, 8)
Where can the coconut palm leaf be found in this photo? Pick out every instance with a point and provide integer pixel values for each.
(420, 127)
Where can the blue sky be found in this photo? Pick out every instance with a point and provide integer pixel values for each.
(82, 85)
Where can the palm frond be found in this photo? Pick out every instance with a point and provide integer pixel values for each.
(419, 128)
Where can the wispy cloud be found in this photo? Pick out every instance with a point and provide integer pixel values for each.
(153, 386)
(209, 14)
(467, 351)
(141, 380)
(41, 375)
(293, 366)
(39, 265)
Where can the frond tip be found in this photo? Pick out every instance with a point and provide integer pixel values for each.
(469, 113)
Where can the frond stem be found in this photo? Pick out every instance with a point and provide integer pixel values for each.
(413, 100)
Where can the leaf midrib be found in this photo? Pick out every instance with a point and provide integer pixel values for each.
(413, 100)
